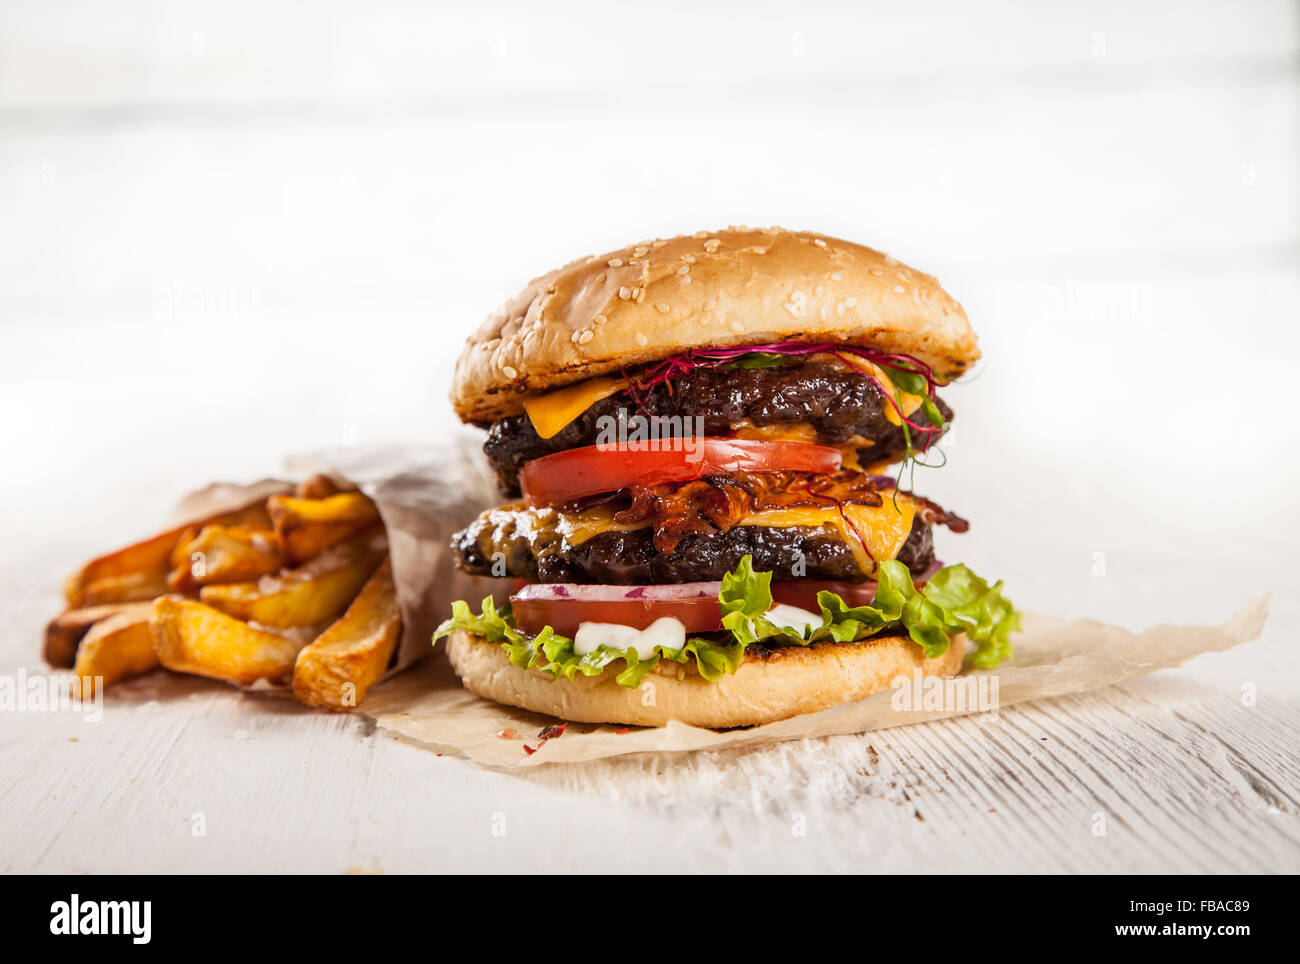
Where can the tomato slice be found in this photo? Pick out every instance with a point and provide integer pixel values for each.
(803, 593)
(572, 474)
(564, 607)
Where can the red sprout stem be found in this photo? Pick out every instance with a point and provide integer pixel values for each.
(639, 386)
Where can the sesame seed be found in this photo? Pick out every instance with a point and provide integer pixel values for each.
(819, 242)
(641, 339)
(737, 327)
(819, 290)
(823, 313)
(625, 292)
(837, 275)
(662, 306)
(616, 262)
(851, 301)
(700, 234)
(599, 320)
(899, 289)
(877, 272)
(509, 372)
(686, 279)
(640, 295)
(640, 252)
(684, 269)
(586, 336)
(688, 258)
(711, 245)
(839, 309)
(657, 244)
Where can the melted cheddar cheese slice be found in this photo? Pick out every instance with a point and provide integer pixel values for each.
(549, 413)
(872, 533)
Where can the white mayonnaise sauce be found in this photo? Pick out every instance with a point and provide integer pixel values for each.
(792, 617)
(666, 632)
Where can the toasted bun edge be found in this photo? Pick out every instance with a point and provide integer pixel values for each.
(740, 286)
(791, 682)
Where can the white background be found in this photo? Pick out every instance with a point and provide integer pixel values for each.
(232, 231)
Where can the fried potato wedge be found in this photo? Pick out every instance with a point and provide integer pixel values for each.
(321, 486)
(65, 632)
(189, 637)
(307, 596)
(308, 527)
(337, 669)
(139, 571)
(220, 554)
(115, 648)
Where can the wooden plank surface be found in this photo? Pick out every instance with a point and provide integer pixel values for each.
(238, 232)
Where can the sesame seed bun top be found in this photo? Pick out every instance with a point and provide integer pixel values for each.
(734, 287)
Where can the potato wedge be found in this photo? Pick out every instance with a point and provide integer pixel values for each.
(337, 669)
(305, 543)
(180, 557)
(307, 596)
(115, 648)
(321, 486)
(65, 632)
(226, 554)
(190, 637)
(308, 527)
(139, 571)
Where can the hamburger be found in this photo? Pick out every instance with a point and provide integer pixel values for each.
(702, 441)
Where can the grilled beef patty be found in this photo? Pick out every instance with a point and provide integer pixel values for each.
(630, 558)
(834, 399)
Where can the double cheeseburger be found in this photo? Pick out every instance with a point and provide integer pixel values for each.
(697, 436)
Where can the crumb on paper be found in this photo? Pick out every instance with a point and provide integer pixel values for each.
(510, 733)
(552, 732)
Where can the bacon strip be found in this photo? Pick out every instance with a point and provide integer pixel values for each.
(717, 503)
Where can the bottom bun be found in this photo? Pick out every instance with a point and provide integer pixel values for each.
(783, 683)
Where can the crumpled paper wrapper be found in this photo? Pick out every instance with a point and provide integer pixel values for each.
(1053, 657)
(425, 496)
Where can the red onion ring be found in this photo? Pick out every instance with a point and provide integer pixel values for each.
(539, 591)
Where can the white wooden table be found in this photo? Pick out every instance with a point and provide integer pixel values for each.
(229, 239)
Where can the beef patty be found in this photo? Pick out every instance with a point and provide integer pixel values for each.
(630, 557)
(835, 400)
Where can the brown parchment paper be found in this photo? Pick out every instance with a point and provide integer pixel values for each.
(426, 495)
(1053, 657)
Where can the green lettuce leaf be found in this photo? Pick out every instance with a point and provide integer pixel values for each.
(954, 601)
(757, 359)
